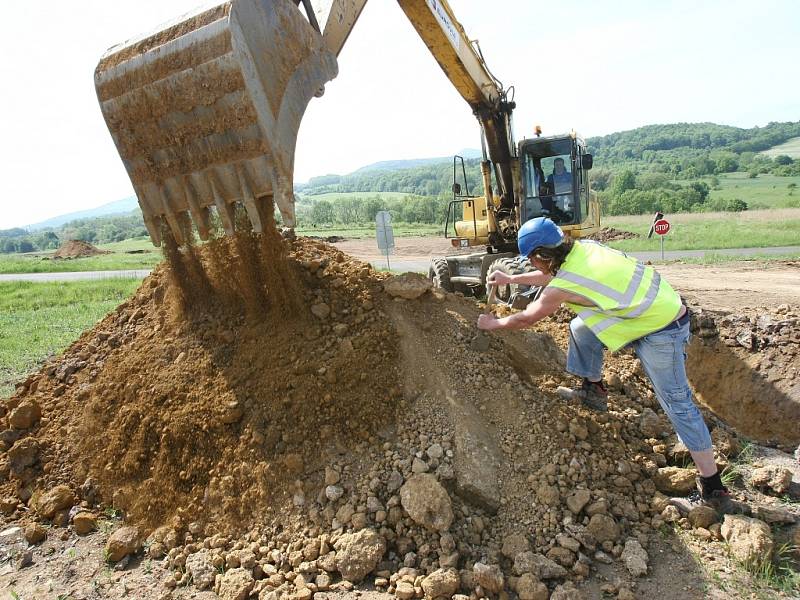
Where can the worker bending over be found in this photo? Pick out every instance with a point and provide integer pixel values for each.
(619, 301)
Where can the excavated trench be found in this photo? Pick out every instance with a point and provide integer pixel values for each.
(743, 396)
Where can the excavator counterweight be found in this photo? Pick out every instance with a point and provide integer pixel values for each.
(205, 112)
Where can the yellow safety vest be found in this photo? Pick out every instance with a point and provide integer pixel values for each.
(630, 299)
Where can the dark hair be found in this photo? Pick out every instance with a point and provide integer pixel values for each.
(554, 257)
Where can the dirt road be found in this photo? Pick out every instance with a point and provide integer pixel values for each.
(730, 286)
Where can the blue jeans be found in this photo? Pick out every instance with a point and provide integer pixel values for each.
(663, 357)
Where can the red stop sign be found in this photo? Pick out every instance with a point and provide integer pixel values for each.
(661, 227)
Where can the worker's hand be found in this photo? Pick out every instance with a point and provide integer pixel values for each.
(488, 322)
(498, 278)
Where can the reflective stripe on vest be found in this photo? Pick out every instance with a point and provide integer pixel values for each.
(631, 300)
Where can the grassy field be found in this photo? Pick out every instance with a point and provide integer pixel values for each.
(789, 148)
(332, 196)
(368, 231)
(127, 255)
(700, 231)
(39, 319)
(765, 191)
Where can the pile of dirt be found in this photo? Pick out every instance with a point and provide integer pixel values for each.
(610, 234)
(278, 411)
(77, 249)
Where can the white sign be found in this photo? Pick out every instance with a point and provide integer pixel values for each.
(384, 233)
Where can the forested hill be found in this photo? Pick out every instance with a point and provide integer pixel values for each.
(646, 142)
(680, 150)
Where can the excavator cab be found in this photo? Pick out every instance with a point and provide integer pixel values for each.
(555, 181)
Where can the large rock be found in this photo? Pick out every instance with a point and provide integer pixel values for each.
(675, 481)
(357, 554)
(23, 454)
(651, 424)
(635, 558)
(538, 565)
(530, 588)
(25, 415)
(84, 522)
(121, 543)
(427, 502)
(442, 583)
(774, 514)
(35, 533)
(750, 540)
(407, 285)
(53, 500)
(776, 479)
(200, 566)
(489, 577)
(702, 516)
(578, 499)
(567, 592)
(603, 528)
(236, 584)
(515, 544)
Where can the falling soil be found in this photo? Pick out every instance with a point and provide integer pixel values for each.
(77, 249)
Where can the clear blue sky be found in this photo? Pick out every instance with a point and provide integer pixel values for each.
(597, 66)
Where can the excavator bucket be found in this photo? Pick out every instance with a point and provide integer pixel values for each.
(205, 112)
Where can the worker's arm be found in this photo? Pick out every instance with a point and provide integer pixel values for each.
(544, 306)
(537, 278)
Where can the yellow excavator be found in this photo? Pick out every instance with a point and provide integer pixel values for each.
(205, 113)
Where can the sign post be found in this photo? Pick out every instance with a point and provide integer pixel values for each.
(661, 227)
(384, 234)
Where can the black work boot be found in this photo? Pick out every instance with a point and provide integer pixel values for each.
(593, 394)
(710, 492)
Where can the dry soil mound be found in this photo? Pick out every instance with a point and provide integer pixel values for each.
(77, 249)
(279, 408)
(609, 234)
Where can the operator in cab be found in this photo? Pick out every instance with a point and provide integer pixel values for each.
(619, 302)
(560, 180)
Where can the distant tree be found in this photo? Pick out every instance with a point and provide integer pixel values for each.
(8, 246)
(782, 159)
(321, 213)
(25, 246)
(623, 181)
(599, 179)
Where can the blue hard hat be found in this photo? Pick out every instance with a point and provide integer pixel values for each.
(537, 233)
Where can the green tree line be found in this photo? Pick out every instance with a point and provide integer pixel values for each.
(97, 230)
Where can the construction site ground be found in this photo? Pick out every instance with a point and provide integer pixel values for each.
(251, 425)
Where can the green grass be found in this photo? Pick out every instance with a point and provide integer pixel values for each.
(764, 191)
(368, 231)
(789, 148)
(716, 258)
(120, 259)
(337, 195)
(40, 319)
(710, 231)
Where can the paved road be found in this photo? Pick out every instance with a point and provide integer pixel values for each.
(75, 275)
(419, 265)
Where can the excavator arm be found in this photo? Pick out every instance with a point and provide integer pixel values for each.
(461, 62)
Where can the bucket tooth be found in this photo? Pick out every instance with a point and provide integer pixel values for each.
(250, 202)
(199, 213)
(225, 210)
